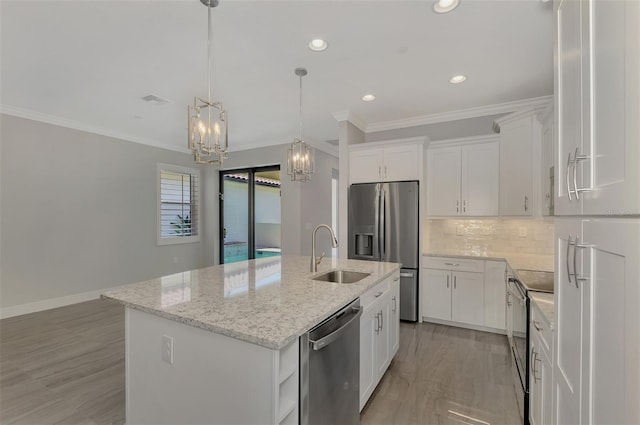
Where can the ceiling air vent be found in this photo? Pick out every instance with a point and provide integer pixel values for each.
(155, 99)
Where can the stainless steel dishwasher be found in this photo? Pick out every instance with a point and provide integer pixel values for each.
(330, 369)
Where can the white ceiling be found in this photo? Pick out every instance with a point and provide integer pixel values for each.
(88, 63)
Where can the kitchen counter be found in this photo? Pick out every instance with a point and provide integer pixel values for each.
(268, 302)
(545, 304)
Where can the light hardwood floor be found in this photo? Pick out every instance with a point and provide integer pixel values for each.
(66, 366)
(445, 375)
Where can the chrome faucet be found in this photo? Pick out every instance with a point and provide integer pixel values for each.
(334, 243)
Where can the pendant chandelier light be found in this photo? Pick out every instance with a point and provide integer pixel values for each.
(208, 137)
(300, 156)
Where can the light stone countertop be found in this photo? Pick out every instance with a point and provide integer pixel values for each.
(268, 302)
(545, 304)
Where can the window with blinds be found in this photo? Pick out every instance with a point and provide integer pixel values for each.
(178, 204)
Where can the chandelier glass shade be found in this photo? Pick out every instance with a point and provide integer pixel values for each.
(207, 120)
(300, 156)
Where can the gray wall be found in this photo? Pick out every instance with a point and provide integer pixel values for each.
(78, 213)
(303, 205)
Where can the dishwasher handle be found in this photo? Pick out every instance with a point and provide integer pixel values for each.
(319, 344)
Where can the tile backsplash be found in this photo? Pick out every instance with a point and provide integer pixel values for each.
(490, 237)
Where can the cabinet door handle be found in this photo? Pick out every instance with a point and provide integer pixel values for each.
(378, 323)
(452, 264)
(575, 261)
(447, 281)
(396, 279)
(534, 359)
(537, 325)
(455, 278)
(569, 162)
(464, 205)
(385, 171)
(380, 171)
(576, 159)
(457, 206)
(526, 203)
(531, 357)
(568, 247)
(381, 319)
(394, 304)
(378, 294)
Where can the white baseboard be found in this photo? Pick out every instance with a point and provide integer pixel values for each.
(463, 325)
(50, 303)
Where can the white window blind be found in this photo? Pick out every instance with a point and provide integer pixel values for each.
(178, 204)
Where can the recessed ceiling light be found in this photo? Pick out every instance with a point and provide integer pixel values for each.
(444, 6)
(318, 45)
(368, 98)
(456, 79)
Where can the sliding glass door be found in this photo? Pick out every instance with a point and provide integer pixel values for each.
(250, 213)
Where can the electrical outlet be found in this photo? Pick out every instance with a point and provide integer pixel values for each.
(522, 231)
(167, 349)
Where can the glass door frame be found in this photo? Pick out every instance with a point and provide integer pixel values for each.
(251, 214)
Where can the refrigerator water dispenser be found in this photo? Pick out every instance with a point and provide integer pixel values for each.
(364, 244)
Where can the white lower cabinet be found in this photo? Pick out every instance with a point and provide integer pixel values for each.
(461, 291)
(597, 343)
(394, 319)
(467, 295)
(540, 369)
(495, 294)
(379, 333)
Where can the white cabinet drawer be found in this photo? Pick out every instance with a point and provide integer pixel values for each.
(378, 291)
(541, 327)
(454, 264)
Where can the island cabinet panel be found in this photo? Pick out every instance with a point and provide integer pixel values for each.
(379, 333)
(213, 379)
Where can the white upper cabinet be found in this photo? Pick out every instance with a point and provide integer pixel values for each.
(365, 166)
(463, 180)
(388, 161)
(597, 105)
(443, 181)
(519, 151)
(480, 184)
(548, 169)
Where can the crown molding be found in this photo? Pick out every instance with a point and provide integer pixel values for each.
(395, 142)
(500, 108)
(536, 112)
(76, 125)
(347, 115)
(462, 141)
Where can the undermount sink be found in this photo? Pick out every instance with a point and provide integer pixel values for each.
(341, 276)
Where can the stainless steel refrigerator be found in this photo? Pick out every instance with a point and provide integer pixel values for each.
(383, 226)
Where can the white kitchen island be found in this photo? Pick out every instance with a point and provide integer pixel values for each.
(220, 344)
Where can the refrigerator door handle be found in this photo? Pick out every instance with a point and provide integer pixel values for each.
(382, 231)
(376, 236)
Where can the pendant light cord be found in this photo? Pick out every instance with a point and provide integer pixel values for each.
(209, 53)
(300, 107)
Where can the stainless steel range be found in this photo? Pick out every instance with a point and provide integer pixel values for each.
(518, 312)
